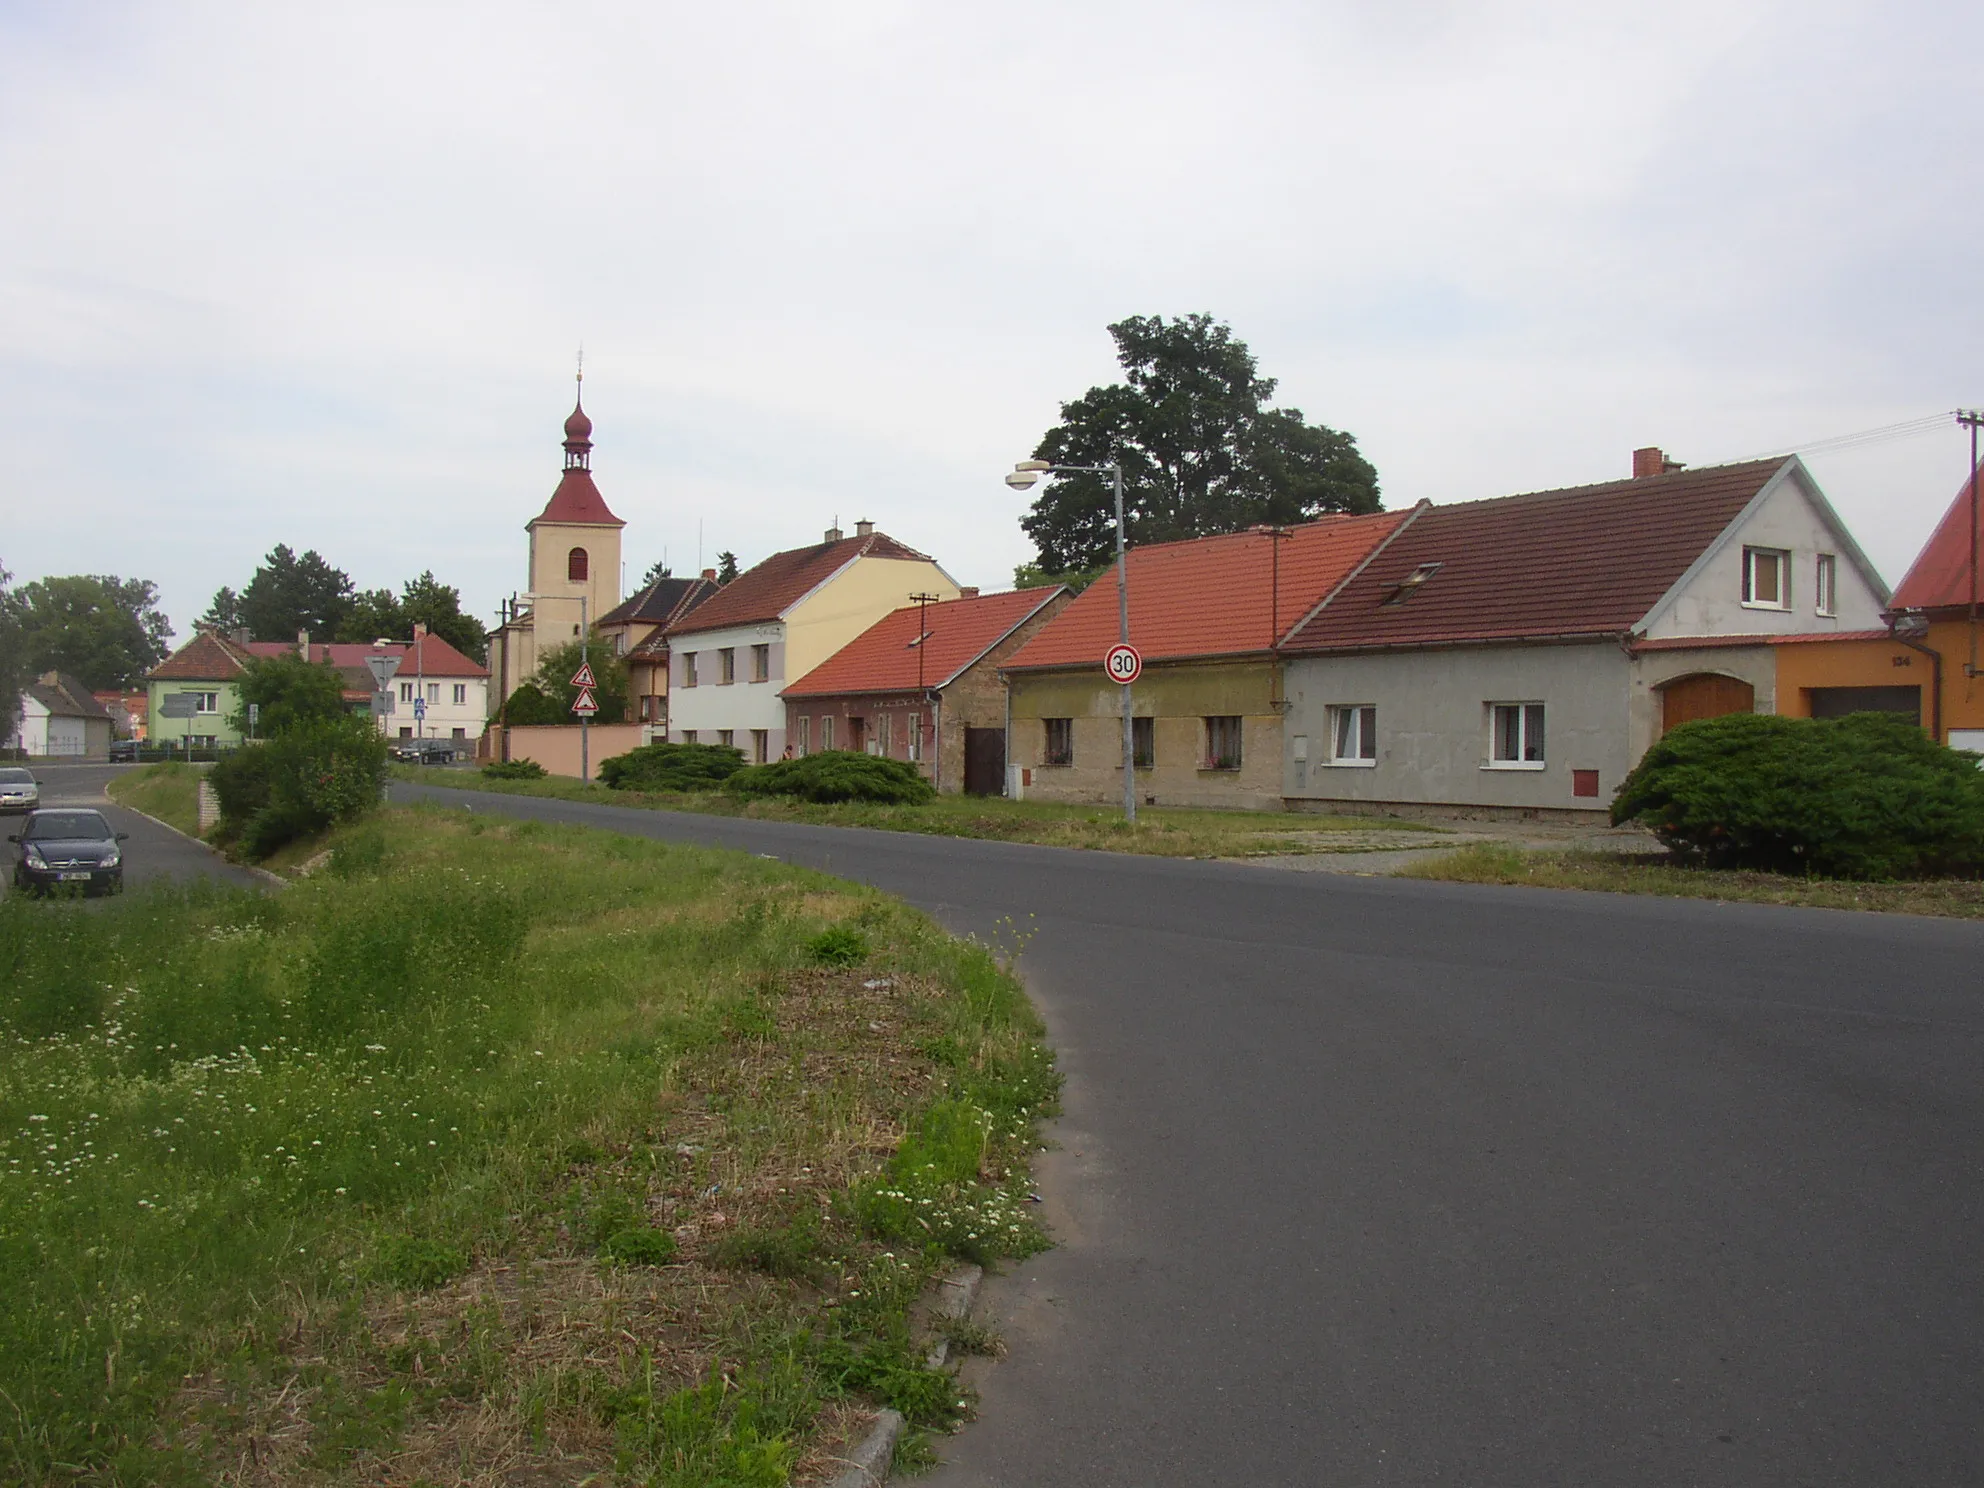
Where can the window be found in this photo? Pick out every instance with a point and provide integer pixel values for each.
(461, 693)
(761, 663)
(576, 566)
(884, 732)
(725, 736)
(689, 671)
(1222, 743)
(826, 731)
(433, 692)
(1059, 748)
(209, 702)
(1823, 580)
(1516, 736)
(406, 733)
(916, 736)
(1143, 743)
(726, 666)
(1354, 734)
(460, 733)
(761, 741)
(805, 734)
(1767, 578)
(406, 692)
(688, 736)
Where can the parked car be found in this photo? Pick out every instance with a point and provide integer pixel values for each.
(67, 848)
(19, 790)
(124, 751)
(428, 751)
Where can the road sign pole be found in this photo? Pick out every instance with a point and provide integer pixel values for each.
(585, 719)
(1123, 625)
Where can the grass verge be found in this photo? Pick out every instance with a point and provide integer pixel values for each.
(1160, 831)
(492, 1152)
(169, 791)
(1625, 873)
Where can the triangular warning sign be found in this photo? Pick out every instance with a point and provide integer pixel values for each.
(584, 677)
(585, 704)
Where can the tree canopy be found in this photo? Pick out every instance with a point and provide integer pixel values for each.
(13, 665)
(102, 629)
(556, 668)
(225, 611)
(379, 614)
(1201, 450)
(726, 567)
(657, 571)
(290, 692)
(290, 594)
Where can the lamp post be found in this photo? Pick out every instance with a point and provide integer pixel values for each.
(1024, 475)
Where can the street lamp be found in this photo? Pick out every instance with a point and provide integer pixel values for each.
(1024, 475)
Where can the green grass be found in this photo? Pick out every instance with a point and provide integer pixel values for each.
(1626, 873)
(1161, 831)
(493, 1148)
(169, 791)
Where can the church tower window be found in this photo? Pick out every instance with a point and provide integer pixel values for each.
(575, 565)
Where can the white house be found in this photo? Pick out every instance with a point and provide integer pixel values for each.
(61, 720)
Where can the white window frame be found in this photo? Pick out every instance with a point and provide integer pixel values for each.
(406, 692)
(761, 662)
(826, 733)
(761, 746)
(209, 702)
(1825, 585)
(461, 694)
(688, 736)
(1530, 717)
(804, 733)
(726, 666)
(916, 738)
(433, 693)
(689, 670)
(727, 737)
(1363, 721)
(1782, 558)
(885, 734)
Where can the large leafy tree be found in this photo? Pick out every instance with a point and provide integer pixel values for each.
(13, 665)
(556, 668)
(105, 630)
(427, 601)
(290, 692)
(289, 594)
(376, 615)
(1201, 450)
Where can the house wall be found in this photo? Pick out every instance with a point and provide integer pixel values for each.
(900, 709)
(163, 730)
(1791, 516)
(556, 746)
(1433, 725)
(1651, 670)
(30, 734)
(854, 599)
(555, 605)
(1887, 664)
(712, 706)
(444, 715)
(1178, 697)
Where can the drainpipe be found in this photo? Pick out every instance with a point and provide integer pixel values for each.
(1906, 629)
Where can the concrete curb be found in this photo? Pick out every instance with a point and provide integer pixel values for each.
(868, 1464)
(262, 873)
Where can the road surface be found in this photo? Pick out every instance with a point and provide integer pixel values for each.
(153, 852)
(1379, 1182)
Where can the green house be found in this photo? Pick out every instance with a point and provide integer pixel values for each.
(195, 691)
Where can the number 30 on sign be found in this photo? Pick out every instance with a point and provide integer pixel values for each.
(1123, 663)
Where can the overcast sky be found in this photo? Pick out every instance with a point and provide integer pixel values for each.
(276, 273)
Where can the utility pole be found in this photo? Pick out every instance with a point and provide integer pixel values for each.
(1276, 536)
(1970, 419)
(922, 603)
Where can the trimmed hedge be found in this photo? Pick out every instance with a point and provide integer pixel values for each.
(1869, 796)
(836, 775)
(672, 767)
(521, 769)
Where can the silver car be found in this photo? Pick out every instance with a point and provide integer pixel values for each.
(19, 790)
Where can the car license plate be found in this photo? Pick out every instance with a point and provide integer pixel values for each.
(73, 877)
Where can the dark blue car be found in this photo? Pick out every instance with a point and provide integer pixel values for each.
(65, 848)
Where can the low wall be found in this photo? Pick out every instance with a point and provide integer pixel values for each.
(556, 746)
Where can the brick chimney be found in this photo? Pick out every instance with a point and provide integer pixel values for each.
(864, 529)
(833, 534)
(1653, 461)
(419, 630)
(709, 575)
(967, 591)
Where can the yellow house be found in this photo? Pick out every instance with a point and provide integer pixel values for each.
(574, 569)
(731, 655)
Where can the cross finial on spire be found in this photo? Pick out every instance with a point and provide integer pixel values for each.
(581, 378)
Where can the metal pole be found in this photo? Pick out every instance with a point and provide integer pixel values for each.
(585, 720)
(1123, 626)
(1973, 421)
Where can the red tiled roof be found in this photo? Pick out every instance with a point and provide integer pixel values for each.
(1590, 560)
(884, 657)
(1209, 596)
(763, 593)
(429, 655)
(1940, 575)
(208, 657)
(577, 501)
(1698, 643)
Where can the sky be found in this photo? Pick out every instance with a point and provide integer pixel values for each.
(318, 275)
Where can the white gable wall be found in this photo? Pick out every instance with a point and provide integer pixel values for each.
(1790, 514)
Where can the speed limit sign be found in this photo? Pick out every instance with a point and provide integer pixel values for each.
(1123, 663)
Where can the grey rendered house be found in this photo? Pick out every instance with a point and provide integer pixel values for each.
(1483, 656)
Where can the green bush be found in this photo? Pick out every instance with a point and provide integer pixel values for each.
(836, 775)
(840, 946)
(530, 704)
(1865, 797)
(513, 770)
(671, 767)
(310, 777)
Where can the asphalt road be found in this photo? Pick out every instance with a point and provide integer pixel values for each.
(1368, 1181)
(153, 852)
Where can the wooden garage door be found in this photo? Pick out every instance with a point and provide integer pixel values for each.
(1704, 697)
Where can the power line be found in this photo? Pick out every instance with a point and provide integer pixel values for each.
(1906, 429)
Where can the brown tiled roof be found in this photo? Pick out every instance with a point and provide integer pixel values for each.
(764, 592)
(1209, 596)
(1588, 561)
(577, 501)
(884, 657)
(208, 657)
(65, 696)
(661, 602)
(436, 657)
(1939, 578)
